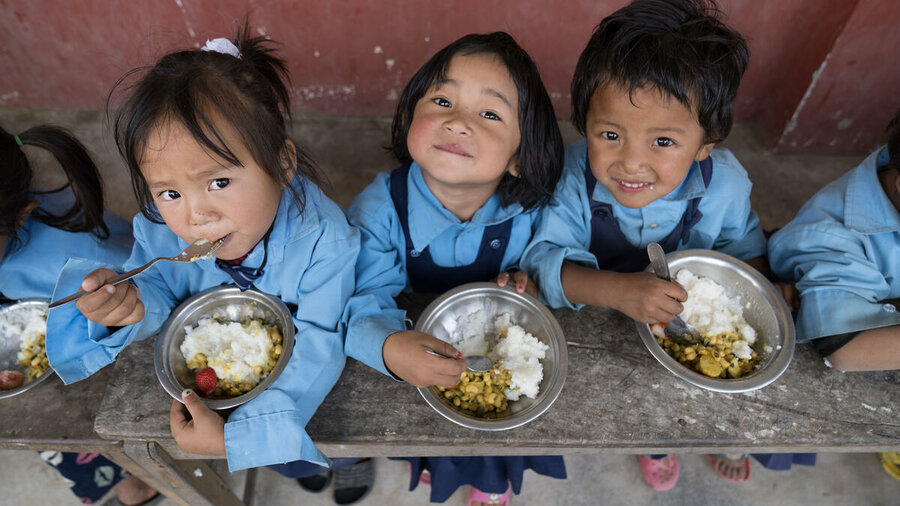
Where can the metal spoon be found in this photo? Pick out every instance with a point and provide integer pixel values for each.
(677, 328)
(201, 248)
(474, 363)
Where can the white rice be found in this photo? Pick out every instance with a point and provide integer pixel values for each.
(232, 349)
(20, 329)
(519, 352)
(713, 312)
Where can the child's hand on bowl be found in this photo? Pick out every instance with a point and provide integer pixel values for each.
(647, 298)
(204, 433)
(112, 306)
(404, 355)
(522, 281)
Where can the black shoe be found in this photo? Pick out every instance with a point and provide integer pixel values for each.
(353, 483)
(316, 482)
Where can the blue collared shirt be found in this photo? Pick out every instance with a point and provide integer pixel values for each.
(728, 225)
(30, 269)
(311, 257)
(381, 269)
(843, 249)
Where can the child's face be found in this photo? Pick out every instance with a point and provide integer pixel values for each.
(642, 145)
(465, 132)
(201, 196)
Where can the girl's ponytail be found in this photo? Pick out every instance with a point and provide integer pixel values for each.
(85, 215)
(257, 51)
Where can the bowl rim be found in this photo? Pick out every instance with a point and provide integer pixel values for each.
(533, 411)
(164, 370)
(775, 368)
(28, 301)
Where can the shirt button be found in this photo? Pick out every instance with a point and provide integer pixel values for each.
(653, 225)
(495, 244)
(413, 253)
(889, 308)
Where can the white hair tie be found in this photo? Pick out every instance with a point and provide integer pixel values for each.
(222, 45)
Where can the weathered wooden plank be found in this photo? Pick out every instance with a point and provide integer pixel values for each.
(53, 415)
(617, 399)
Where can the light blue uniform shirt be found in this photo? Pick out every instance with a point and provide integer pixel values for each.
(30, 269)
(310, 263)
(728, 225)
(843, 249)
(381, 268)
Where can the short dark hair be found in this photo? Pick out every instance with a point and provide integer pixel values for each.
(893, 141)
(541, 146)
(83, 179)
(679, 47)
(192, 86)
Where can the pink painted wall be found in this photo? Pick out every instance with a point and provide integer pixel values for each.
(857, 90)
(354, 57)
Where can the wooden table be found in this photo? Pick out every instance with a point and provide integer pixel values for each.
(53, 416)
(617, 399)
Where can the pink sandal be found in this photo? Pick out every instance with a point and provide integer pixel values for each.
(476, 495)
(660, 474)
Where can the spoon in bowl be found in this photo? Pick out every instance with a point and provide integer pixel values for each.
(677, 328)
(201, 248)
(475, 363)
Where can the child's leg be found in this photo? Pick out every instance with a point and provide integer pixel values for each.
(784, 461)
(493, 475)
(734, 468)
(89, 475)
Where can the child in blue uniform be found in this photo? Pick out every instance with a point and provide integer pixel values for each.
(652, 93)
(39, 231)
(843, 250)
(481, 152)
(204, 134)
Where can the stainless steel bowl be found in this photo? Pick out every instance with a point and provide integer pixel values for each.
(171, 368)
(439, 319)
(764, 310)
(10, 347)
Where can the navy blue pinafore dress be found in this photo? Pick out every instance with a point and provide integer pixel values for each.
(488, 474)
(615, 253)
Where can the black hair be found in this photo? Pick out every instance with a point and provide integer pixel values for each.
(678, 47)
(86, 213)
(893, 142)
(192, 87)
(540, 149)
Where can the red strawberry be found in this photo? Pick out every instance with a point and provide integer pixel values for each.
(11, 379)
(206, 380)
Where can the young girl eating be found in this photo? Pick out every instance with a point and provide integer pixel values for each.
(39, 231)
(204, 134)
(481, 152)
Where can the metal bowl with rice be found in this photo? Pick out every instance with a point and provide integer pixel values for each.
(16, 314)
(171, 368)
(763, 309)
(440, 319)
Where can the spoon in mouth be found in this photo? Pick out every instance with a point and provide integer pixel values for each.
(474, 363)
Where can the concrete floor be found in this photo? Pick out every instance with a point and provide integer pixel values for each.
(349, 151)
(837, 479)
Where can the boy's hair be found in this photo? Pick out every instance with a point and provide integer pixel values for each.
(893, 142)
(678, 47)
(540, 149)
(86, 213)
(192, 88)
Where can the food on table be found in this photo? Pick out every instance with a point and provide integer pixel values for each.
(206, 380)
(725, 350)
(11, 379)
(239, 354)
(24, 330)
(517, 367)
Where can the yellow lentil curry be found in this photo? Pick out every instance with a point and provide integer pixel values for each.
(480, 393)
(712, 356)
